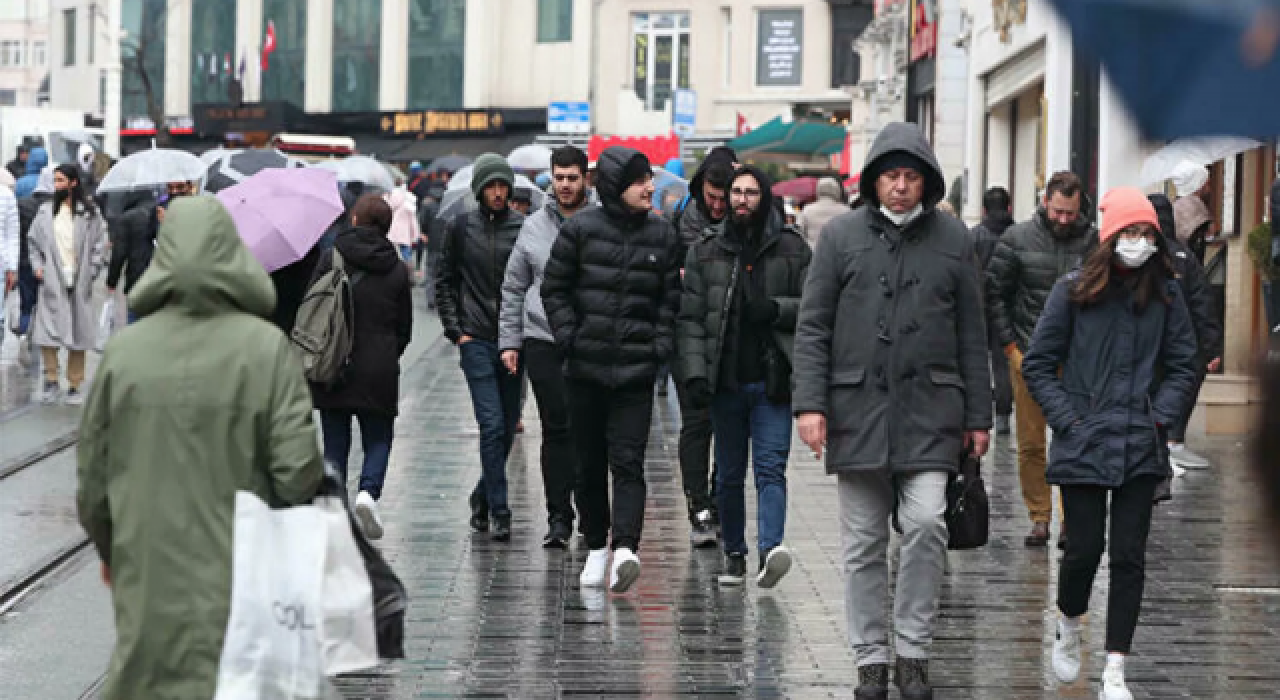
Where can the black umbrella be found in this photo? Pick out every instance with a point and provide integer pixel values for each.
(448, 164)
(232, 167)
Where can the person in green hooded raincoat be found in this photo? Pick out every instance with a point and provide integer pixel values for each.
(201, 398)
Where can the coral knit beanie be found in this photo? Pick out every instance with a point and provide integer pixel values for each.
(1123, 207)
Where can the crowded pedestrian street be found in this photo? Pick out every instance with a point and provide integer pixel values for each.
(509, 620)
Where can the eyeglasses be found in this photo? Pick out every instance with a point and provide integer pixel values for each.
(745, 194)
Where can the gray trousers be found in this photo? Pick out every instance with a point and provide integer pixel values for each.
(866, 503)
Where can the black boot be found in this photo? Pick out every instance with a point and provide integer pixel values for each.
(873, 682)
(502, 528)
(479, 513)
(913, 679)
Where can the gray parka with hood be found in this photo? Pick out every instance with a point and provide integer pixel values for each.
(891, 342)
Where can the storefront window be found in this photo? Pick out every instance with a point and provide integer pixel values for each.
(213, 50)
(142, 56)
(436, 36)
(286, 77)
(357, 53)
(661, 45)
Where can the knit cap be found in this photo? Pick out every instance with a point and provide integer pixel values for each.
(1123, 207)
(490, 168)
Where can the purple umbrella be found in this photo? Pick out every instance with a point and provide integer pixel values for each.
(280, 214)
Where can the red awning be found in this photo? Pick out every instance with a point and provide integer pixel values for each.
(659, 149)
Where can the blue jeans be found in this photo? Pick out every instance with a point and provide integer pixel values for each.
(741, 419)
(376, 432)
(495, 398)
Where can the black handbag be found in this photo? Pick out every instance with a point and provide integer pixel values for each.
(968, 513)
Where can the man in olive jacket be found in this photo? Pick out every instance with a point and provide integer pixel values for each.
(735, 332)
(1029, 259)
(891, 376)
(201, 398)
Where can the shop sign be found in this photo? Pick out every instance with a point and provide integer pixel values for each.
(220, 119)
(924, 29)
(442, 123)
(779, 57)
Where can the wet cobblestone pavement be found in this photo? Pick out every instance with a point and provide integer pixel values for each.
(490, 620)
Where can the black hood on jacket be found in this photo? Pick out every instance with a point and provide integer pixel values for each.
(762, 213)
(719, 154)
(610, 171)
(368, 249)
(1164, 214)
(997, 222)
(903, 137)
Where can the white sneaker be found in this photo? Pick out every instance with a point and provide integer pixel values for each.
(1113, 687)
(626, 569)
(1185, 458)
(1066, 652)
(367, 514)
(594, 570)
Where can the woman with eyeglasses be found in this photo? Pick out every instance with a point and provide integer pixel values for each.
(1119, 330)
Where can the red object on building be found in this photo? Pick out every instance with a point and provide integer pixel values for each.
(846, 156)
(924, 29)
(743, 126)
(659, 149)
(268, 44)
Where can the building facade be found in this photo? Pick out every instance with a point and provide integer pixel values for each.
(24, 53)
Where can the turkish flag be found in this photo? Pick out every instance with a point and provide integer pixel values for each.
(268, 44)
(743, 127)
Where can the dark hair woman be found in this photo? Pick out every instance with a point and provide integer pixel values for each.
(1120, 332)
(66, 242)
(370, 388)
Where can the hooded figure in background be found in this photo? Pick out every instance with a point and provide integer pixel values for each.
(700, 212)
(828, 206)
(26, 185)
(1191, 214)
(892, 383)
(158, 472)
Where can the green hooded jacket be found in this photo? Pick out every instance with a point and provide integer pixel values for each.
(201, 398)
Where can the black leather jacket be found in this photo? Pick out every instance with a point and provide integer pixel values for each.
(473, 261)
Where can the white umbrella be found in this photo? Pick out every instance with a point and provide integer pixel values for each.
(362, 169)
(534, 157)
(1203, 150)
(458, 199)
(152, 168)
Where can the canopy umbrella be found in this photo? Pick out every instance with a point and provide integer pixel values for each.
(1186, 67)
(233, 167)
(802, 189)
(458, 199)
(152, 168)
(1204, 150)
(533, 157)
(212, 155)
(448, 164)
(361, 169)
(282, 213)
(795, 137)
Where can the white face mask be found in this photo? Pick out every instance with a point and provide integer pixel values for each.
(904, 218)
(1134, 253)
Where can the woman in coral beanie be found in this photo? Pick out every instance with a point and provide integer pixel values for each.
(1119, 329)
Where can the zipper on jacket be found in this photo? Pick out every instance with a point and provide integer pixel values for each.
(726, 307)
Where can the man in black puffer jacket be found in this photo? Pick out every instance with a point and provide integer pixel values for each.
(1029, 259)
(473, 262)
(997, 217)
(133, 241)
(611, 289)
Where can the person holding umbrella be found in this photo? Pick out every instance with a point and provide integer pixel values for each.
(66, 246)
(1113, 365)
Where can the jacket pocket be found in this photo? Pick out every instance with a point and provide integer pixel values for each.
(848, 377)
(942, 377)
(847, 401)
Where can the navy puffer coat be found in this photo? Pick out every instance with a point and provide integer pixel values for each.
(1125, 376)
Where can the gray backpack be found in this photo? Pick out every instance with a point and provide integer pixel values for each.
(324, 332)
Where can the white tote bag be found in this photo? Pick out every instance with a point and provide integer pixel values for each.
(11, 314)
(348, 634)
(106, 323)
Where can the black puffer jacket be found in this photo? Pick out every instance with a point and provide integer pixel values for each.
(134, 240)
(383, 323)
(1027, 262)
(612, 286)
(1195, 288)
(987, 234)
(473, 262)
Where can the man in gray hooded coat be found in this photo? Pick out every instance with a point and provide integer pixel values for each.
(891, 376)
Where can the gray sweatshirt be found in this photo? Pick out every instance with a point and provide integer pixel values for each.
(522, 316)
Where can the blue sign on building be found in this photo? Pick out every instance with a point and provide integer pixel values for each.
(569, 118)
(684, 113)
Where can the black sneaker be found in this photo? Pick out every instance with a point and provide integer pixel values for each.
(558, 536)
(735, 570)
(502, 528)
(479, 513)
(913, 679)
(701, 533)
(873, 682)
(773, 566)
